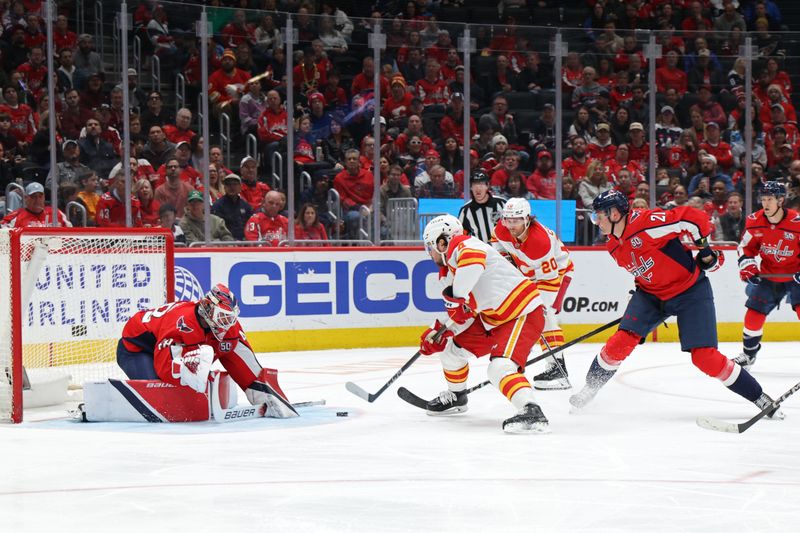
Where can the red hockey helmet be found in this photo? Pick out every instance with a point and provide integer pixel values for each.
(219, 309)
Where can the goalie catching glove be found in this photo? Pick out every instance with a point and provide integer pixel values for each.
(193, 367)
(457, 308)
(430, 344)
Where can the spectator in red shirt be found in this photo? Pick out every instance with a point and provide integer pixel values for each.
(542, 183)
(34, 214)
(694, 19)
(148, 205)
(452, 125)
(272, 127)
(432, 89)
(355, 186)
(395, 108)
(714, 145)
(62, 36)
(226, 84)
(23, 119)
(638, 148)
(364, 82)
(237, 31)
(709, 109)
(577, 164)
(181, 130)
(670, 76)
(601, 146)
(174, 191)
(253, 190)
(111, 207)
(267, 224)
(307, 226)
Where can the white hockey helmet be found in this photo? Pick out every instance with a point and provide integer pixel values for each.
(442, 227)
(517, 208)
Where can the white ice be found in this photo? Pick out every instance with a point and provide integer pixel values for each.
(633, 460)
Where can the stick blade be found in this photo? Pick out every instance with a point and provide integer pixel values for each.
(358, 391)
(412, 398)
(714, 424)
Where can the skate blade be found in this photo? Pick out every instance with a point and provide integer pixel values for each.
(452, 411)
(522, 428)
(556, 384)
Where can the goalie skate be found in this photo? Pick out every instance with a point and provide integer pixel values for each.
(530, 419)
(448, 403)
(552, 378)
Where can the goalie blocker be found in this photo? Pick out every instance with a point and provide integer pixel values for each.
(149, 400)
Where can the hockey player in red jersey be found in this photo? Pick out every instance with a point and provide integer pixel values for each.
(669, 282)
(538, 253)
(178, 342)
(495, 310)
(773, 235)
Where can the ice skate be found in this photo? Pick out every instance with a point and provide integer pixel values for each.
(584, 396)
(552, 378)
(448, 403)
(763, 401)
(530, 419)
(744, 360)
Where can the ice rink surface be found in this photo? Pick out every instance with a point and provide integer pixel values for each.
(633, 460)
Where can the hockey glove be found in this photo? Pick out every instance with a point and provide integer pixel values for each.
(194, 367)
(562, 291)
(457, 308)
(748, 270)
(709, 260)
(429, 345)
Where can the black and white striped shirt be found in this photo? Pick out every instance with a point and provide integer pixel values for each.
(479, 219)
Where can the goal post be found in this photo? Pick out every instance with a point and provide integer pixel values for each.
(69, 293)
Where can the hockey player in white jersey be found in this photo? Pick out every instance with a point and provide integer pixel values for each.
(539, 254)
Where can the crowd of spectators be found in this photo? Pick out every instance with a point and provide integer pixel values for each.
(699, 130)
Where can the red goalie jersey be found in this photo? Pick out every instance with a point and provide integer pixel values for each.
(778, 245)
(173, 329)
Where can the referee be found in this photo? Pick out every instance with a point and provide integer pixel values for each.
(479, 215)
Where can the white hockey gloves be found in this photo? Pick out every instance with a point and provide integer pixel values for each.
(194, 367)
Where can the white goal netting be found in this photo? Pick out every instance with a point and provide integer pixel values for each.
(70, 292)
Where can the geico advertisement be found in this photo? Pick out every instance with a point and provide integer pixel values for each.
(317, 289)
(348, 288)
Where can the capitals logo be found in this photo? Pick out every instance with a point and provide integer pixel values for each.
(641, 268)
(182, 326)
(780, 253)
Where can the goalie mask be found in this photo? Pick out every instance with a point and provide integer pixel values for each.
(219, 309)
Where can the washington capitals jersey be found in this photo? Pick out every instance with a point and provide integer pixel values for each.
(169, 331)
(540, 256)
(778, 245)
(651, 249)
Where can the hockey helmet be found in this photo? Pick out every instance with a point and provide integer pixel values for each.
(442, 227)
(517, 208)
(479, 176)
(774, 188)
(219, 309)
(604, 201)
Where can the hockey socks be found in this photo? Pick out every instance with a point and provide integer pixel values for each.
(751, 336)
(745, 385)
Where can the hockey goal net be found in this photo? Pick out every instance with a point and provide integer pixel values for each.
(69, 294)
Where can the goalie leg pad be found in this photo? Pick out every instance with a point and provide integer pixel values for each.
(617, 349)
(143, 401)
(265, 390)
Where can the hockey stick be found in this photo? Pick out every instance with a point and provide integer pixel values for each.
(364, 395)
(416, 401)
(715, 424)
(247, 412)
(556, 361)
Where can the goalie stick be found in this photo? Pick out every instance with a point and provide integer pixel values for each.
(361, 393)
(416, 401)
(714, 424)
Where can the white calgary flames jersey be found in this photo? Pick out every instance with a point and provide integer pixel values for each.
(496, 290)
(541, 256)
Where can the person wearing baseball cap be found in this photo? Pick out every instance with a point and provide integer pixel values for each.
(193, 221)
(601, 146)
(34, 212)
(708, 176)
(253, 190)
(714, 145)
(227, 83)
(452, 125)
(542, 181)
(71, 167)
(232, 208)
